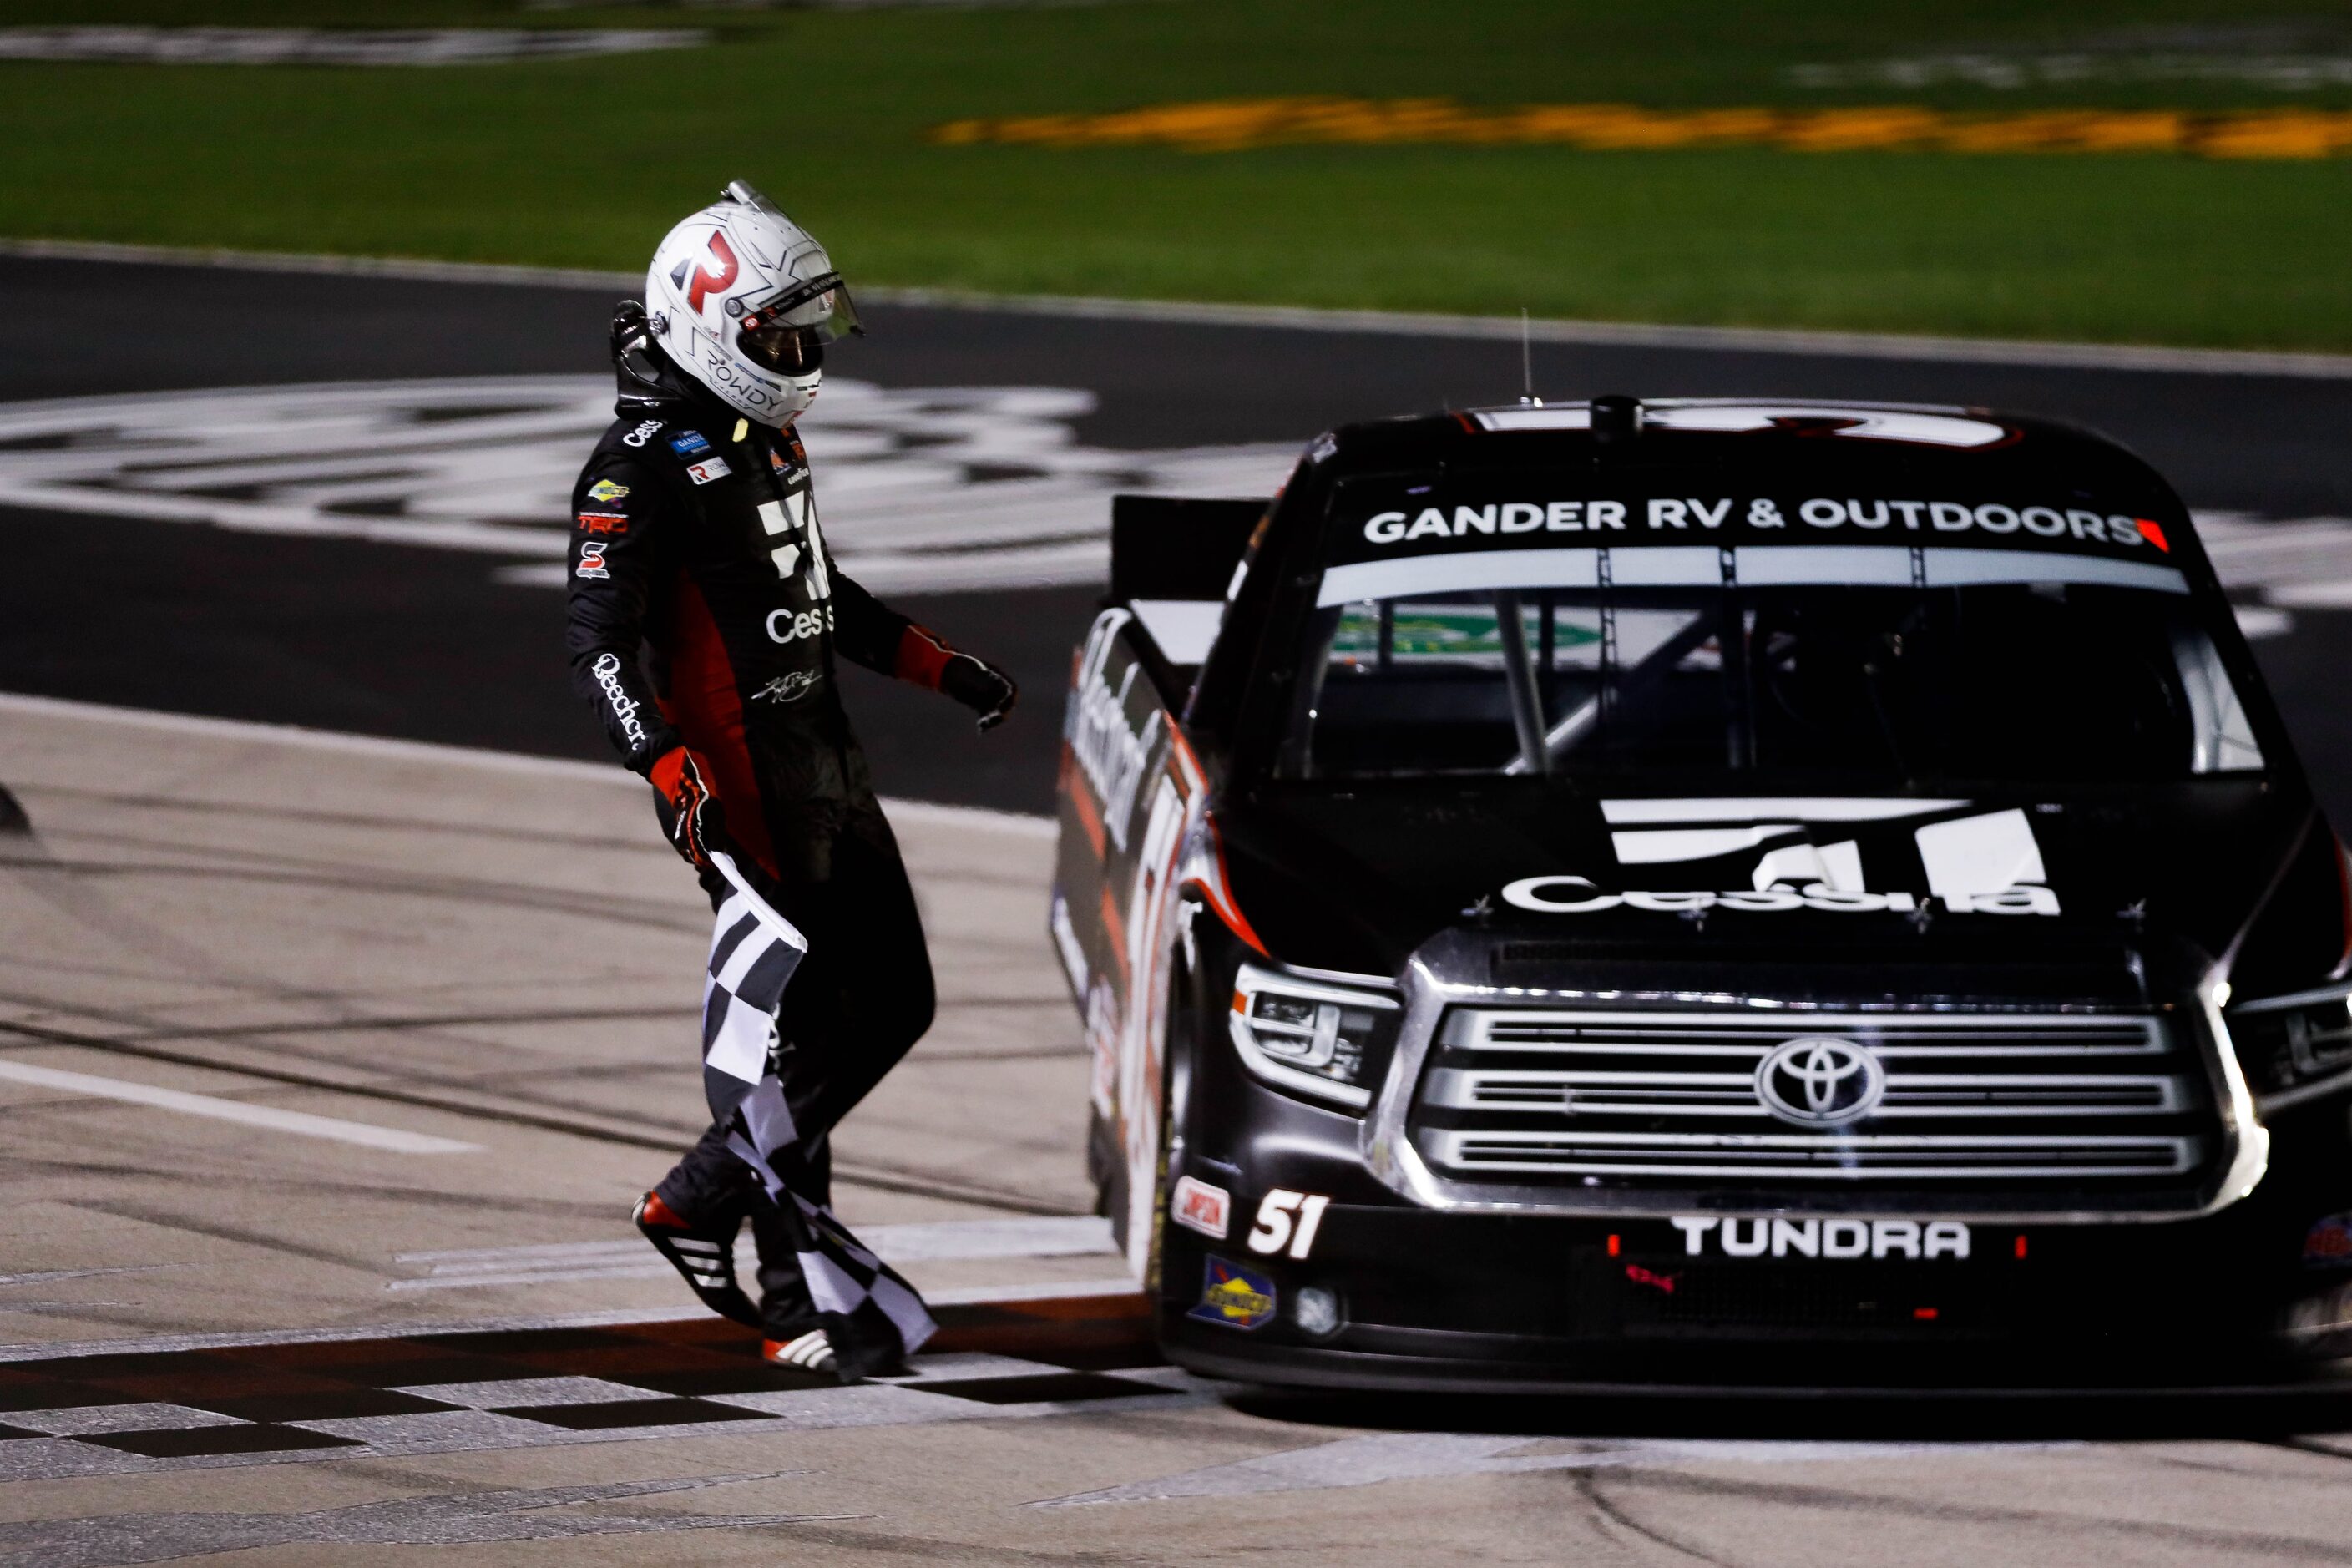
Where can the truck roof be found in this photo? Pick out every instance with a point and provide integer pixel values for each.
(1924, 494)
(1765, 438)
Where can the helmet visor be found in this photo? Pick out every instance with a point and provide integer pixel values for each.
(788, 351)
(789, 335)
(821, 306)
(840, 318)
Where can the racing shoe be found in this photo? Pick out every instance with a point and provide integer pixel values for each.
(812, 1351)
(706, 1260)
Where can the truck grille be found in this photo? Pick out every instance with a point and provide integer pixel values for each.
(1538, 1097)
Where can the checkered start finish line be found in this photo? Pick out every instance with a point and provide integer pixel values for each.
(134, 1412)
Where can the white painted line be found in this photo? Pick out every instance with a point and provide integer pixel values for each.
(466, 1268)
(1648, 335)
(651, 1267)
(376, 47)
(548, 1253)
(971, 818)
(1048, 1290)
(316, 740)
(1604, 335)
(412, 269)
(49, 1276)
(1078, 1236)
(300, 1123)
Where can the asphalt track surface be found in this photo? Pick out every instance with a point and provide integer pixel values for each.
(387, 639)
(330, 1067)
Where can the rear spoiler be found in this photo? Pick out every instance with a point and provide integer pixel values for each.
(1166, 547)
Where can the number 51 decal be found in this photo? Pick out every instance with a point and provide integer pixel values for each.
(1287, 1216)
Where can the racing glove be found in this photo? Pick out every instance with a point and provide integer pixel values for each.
(689, 812)
(980, 686)
(927, 660)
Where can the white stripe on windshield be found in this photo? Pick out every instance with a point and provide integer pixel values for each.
(1667, 566)
(1953, 568)
(1766, 565)
(1461, 573)
(1772, 565)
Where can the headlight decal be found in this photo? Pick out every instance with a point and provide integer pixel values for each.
(2295, 1042)
(1310, 1036)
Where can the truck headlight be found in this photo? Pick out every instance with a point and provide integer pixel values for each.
(1311, 1035)
(2289, 1043)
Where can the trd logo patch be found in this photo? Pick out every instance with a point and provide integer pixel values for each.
(1197, 1205)
(1236, 1297)
(604, 522)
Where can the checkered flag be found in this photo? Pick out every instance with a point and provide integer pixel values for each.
(873, 1318)
(753, 952)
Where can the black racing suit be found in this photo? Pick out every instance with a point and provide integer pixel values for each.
(696, 538)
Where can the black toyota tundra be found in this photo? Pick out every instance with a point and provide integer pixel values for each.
(1704, 893)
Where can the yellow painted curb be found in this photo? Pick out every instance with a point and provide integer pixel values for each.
(1234, 125)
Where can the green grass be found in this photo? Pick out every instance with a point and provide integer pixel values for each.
(585, 163)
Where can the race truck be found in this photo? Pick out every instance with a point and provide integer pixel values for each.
(1698, 892)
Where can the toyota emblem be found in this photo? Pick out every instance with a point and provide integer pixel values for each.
(1818, 1081)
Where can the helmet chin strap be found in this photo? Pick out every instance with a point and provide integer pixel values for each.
(633, 345)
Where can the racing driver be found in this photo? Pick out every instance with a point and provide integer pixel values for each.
(697, 537)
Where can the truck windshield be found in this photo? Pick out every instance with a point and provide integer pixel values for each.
(2040, 680)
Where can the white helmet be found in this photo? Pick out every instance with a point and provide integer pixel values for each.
(744, 300)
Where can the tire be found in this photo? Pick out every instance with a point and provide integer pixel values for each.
(1175, 1094)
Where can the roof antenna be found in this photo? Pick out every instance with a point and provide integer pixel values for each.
(1526, 365)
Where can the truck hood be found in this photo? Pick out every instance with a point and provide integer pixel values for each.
(2112, 896)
